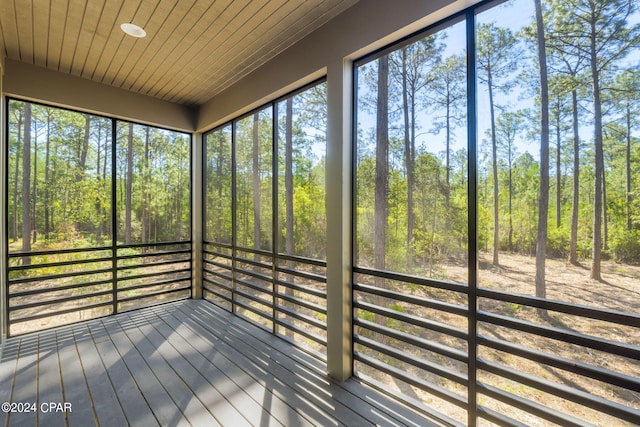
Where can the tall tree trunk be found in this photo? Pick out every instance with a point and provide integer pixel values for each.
(129, 186)
(26, 185)
(629, 197)
(408, 157)
(144, 223)
(605, 213)
(16, 178)
(47, 183)
(54, 189)
(179, 199)
(256, 184)
(106, 159)
(573, 251)
(34, 196)
(82, 154)
(381, 202)
(220, 176)
(447, 165)
(84, 148)
(510, 198)
(99, 152)
(543, 201)
(558, 174)
(100, 227)
(100, 211)
(289, 246)
(494, 159)
(448, 155)
(433, 258)
(408, 103)
(288, 178)
(14, 220)
(596, 254)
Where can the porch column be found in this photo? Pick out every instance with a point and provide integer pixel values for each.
(197, 204)
(338, 181)
(3, 216)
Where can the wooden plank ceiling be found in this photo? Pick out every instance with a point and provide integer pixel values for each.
(193, 50)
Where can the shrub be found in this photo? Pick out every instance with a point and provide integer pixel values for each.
(626, 248)
(557, 243)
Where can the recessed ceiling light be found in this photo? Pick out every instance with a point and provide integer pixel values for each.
(133, 30)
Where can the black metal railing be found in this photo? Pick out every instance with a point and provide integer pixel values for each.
(283, 294)
(253, 286)
(152, 273)
(406, 338)
(56, 287)
(534, 358)
(549, 356)
(301, 302)
(217, 277)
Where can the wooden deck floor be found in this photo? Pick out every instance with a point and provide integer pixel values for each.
(184, 363)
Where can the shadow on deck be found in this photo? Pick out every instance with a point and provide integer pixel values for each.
(183, 363)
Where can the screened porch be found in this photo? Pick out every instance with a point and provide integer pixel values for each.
(328, 212)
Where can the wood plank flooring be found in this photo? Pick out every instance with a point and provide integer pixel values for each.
(179, 364)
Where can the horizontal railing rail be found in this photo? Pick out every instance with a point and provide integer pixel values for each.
(59, 264)
(155, 284)
(421, 301)
(153, 274)
(415, 280)
(613, 350)
(414, 380)
(563, 391)
(43, 291)
(153, 254)
(22, 254)
(569, 365)
(152, 294)
(154, 244)
(397, 315)
(563, 307)
(608, 346)
(302, 274)
(401, 334)
(75, 309)
(43, 278)
(423, 343)
(61, 297)
(532, 407)
(316, 338)
(413, 320)
(322, 294)
(216, 273)
(58, 300)
(305, 318)
(287, 293)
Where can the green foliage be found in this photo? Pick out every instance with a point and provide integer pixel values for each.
(430, 249)
(508, 98)
(71, 179)
(626, 247)
(558, 242)
(512, 309)
(366, 315)
(300, 147)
